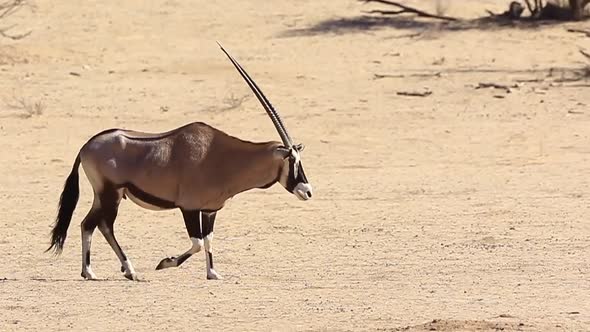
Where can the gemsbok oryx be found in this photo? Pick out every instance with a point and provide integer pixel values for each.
(195, 168)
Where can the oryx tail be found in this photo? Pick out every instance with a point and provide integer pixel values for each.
(67, 204)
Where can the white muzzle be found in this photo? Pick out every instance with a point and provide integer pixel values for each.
(303, 191)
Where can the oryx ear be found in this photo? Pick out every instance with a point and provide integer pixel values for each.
(299, 147)
(282, 152)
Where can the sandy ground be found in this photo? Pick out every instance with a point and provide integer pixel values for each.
(463, 210)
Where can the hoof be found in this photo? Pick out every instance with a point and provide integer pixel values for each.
(166, 263)
(88, 275)
(212, 275)
(132, 277)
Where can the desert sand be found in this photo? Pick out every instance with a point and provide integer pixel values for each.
(463, 210)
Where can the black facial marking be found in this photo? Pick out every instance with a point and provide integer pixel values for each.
(291, 180)
(147, 197)
(301, 176)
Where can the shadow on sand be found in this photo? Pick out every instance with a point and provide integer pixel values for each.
(364, 23)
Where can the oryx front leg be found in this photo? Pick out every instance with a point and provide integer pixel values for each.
(208, 222)
(192, 221)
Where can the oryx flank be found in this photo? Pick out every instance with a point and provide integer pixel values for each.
(195, 168)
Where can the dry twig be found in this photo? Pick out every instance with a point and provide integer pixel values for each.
(529, 80)
(9, 7)
(13, 37)
(380, 76)
(229, 103)
(496, 86)
(405, 9)
(233, 102)
(414, 93)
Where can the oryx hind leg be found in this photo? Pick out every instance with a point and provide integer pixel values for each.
(87, 227)
(208, 223)
(192, 221)
(110, 200)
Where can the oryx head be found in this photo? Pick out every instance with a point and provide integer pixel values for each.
(292, 176)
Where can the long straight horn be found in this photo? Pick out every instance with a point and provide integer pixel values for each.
(270, 110)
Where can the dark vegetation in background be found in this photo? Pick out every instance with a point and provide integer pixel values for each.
(572, 10)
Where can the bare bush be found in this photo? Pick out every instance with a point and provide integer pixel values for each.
(557, 9)
(564, 10)
(577, 8)
(401, 9)
(233, 102)
(230, 102)
(25, 108)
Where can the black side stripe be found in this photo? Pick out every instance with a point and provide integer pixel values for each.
(147, 197)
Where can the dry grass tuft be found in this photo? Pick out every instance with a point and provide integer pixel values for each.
(24, 108)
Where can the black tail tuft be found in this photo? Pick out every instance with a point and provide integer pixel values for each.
(67, 204)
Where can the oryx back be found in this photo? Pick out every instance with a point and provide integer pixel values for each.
(193, 167)
(147, 167)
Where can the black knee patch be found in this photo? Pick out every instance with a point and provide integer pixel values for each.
(191, 221)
